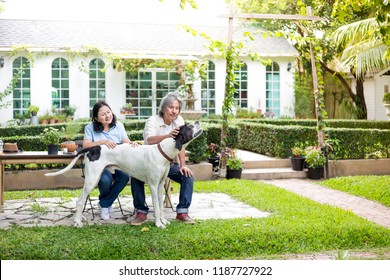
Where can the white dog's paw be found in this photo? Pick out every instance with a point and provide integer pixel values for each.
(78, 223)
(165, 222)
(159, 224)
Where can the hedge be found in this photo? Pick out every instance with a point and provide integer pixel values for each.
(274, 138)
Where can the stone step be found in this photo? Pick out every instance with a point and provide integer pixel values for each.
(267, 163)
(272, 173)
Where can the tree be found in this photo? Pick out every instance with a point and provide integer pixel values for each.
(343, 12)
(1, 5)
(361, 50)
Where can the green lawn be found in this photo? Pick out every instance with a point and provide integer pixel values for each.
(375, 188)
(297, 226)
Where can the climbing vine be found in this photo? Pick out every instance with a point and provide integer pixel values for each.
(9, 89)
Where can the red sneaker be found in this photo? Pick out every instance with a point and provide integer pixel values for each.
(139, 219)
(183, 217)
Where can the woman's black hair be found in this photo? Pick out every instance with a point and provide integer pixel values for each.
(97, 126)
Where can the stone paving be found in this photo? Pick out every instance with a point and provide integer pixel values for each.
(57, 211)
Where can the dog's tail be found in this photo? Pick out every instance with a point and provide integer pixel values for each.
(66, 169)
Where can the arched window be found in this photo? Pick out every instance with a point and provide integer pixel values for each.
(241, 93)
(208, 90)
(97, 82)
(272, 90)
(60, 83)
(22, 90)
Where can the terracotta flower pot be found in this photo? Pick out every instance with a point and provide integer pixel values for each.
(70, 145)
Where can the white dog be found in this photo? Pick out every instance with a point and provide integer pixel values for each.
(148, 163)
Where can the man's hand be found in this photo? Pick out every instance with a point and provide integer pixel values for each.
(186, 171)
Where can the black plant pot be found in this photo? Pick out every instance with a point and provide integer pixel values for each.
(315, 173)
(214, 161)
(297, 163)
(52, 149)
(233, 173)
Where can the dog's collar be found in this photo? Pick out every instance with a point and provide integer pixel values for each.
(163, 153)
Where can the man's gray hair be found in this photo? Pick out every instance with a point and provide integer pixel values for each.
(167, 101)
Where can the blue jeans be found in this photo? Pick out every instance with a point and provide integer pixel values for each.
(185, 196)
(110, 185)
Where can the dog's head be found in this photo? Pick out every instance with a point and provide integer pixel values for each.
(187, 133)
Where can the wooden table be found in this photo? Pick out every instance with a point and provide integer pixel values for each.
(37, 157)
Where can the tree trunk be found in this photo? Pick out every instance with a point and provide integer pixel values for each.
(357, 98)
(360, 101)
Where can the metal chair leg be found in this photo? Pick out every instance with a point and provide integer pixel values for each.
(168, 192)
(90, 204)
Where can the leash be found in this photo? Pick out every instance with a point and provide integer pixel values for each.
(164, 154)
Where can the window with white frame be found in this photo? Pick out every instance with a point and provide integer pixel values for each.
(272, 90)
(145, 89)
(139, 92)
(60, 83)
(97, 82)
(208, 90)
(166, 81)
(22, 90)
(241, 86)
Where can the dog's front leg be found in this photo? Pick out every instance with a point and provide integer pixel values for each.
(156, 205)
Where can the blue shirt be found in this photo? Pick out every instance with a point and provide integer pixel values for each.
(116, 133)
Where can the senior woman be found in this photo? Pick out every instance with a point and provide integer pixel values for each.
(157, 128)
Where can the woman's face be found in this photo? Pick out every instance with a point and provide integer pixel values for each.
(171, 112)
(104, 116)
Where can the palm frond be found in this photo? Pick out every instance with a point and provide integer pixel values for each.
(355, 32)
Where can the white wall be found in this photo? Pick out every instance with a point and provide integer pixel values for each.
(115, 86)
(5, 78)
(380, 83)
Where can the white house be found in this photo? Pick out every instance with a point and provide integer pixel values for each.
(53, 78)
(375, 86)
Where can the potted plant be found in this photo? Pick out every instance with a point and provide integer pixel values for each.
(33, 109)
(233, 164)
(127, 109)
(213, 150)
(68, 134)
(386, 102)
(69, 111)
(297, 158)
(315, 159)
(51, 137)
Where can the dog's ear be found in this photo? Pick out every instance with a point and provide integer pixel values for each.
(180, 137)
(94, 153)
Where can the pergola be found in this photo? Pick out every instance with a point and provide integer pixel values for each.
(295, 19)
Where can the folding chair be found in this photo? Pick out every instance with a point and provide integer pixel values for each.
(91, 207)
(89, 198)
(168, 192)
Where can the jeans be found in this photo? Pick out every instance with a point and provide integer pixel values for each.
(185, 196)
(110, 185)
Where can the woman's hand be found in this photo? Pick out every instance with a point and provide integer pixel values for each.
(133, 144)
(174, 133)
(186, 171)
(110, 144)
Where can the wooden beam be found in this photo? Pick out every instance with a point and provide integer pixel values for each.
(271, 16)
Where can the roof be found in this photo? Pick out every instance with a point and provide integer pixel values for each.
(139, 38)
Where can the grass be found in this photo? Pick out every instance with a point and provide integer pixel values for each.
(375, 188)
(297, 226)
